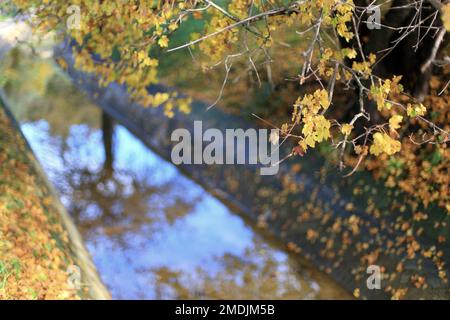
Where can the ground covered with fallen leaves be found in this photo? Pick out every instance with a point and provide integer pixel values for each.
(34, 247)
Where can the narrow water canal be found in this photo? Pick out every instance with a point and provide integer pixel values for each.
(152, 232)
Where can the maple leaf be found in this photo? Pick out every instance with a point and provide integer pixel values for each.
(394, 122)
(346, 128)
(163, 42)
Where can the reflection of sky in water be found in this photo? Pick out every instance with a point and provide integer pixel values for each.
(202, 251)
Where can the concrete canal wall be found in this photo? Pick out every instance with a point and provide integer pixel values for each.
(38, 239)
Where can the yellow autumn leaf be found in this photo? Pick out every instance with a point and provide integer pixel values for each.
(173, 26)
(184, 105)
(163, 42)
(159, 99)
(349, 53)
(446, 16)
(394, 122)
(322, 97)
(346, 128)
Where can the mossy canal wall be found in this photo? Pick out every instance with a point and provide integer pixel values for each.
(41, 250)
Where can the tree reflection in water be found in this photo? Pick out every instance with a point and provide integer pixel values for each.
(154, 233)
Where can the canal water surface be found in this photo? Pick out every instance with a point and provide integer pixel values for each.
(153, 233)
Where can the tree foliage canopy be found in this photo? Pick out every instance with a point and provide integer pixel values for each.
(390, 56)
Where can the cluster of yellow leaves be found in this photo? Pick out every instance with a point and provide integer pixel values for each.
(425, 170)
(383, 143)
(414, 110)
(124, 34)
(239, 8)
(216, 47)
(326, 70)
(327, 64)
(344, 15)
(115, 38)
(382, 92)
(316, 128)
(394, 122)
(419, 170)
(365, 67)
(330, 13)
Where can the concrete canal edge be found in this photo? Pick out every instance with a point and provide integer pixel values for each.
(76, 248)
(319, 218)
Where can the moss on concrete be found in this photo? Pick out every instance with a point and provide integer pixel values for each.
(40, 248)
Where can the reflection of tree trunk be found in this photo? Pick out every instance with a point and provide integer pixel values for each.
(108, 131)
